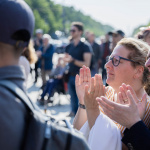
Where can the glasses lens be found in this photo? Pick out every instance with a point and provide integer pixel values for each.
(116, 60)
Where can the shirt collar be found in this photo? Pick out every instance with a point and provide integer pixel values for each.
(11, 72)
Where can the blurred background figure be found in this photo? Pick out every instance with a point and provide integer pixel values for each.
(38, 42)
(45, 56)
(144, 35)
(77, 54)
(105, 52)
(56, 80)
(116, 37)
(96, 54)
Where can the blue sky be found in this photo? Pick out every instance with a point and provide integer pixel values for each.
(121, 14)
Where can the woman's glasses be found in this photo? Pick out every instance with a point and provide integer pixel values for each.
(116, 60)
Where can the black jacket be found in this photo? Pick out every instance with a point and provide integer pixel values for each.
(137, 137)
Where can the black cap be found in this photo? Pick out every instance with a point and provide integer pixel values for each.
(16, 22)
(120, 32)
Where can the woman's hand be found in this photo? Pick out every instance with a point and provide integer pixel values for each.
(126, 115)
(91, 93)
(123, 99)
(81, 80)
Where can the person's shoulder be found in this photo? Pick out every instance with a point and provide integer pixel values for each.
(23, 61)
(96, 44)
(68, 45)
(51, 46)
(86, 45)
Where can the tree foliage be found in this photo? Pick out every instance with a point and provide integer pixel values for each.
(51, 17)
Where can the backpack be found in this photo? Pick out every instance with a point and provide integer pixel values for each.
(41, 132)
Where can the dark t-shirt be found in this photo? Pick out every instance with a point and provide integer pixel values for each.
(77, 53)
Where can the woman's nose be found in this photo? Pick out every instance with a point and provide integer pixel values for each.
(108, 64)
(147, 62)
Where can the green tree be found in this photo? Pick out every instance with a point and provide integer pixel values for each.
(51, 17)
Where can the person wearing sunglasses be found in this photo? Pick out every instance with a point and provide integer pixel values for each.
(77, 54)
(125, 65)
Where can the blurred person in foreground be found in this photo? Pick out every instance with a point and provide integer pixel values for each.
(125, 65)
(45, 58)
(96, 54)
(16, 30)
(77, 55)
(38, 42)
(116, 37)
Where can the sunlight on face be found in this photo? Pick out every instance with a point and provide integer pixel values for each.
(123, 73)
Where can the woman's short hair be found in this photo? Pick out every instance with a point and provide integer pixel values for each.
(138, 53)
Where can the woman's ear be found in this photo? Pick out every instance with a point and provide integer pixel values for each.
(138, 72)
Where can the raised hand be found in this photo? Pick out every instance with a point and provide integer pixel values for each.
(92, 107)
(81, 80)
(91, 93)
(123, 99)
(126, 115)
(141, 104)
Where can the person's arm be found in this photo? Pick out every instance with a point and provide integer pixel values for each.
(91, 104)
(80, 118)
(137, 137)
(81, 80)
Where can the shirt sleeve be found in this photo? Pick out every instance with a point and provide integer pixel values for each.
(87, 48)
(137, 137)
(103, 132)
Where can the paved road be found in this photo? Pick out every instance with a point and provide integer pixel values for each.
(61, 107)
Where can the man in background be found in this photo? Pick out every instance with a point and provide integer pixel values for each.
(96, 54)
(116, 37)
(77, 55)
(38, 42)
(105, 52)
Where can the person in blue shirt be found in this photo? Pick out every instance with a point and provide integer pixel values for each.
(45, 58)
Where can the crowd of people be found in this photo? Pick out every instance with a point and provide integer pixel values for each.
(111, 107)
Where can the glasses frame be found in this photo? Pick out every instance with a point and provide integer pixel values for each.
(111, 58)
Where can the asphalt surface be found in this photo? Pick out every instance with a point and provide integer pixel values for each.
(59, 109)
